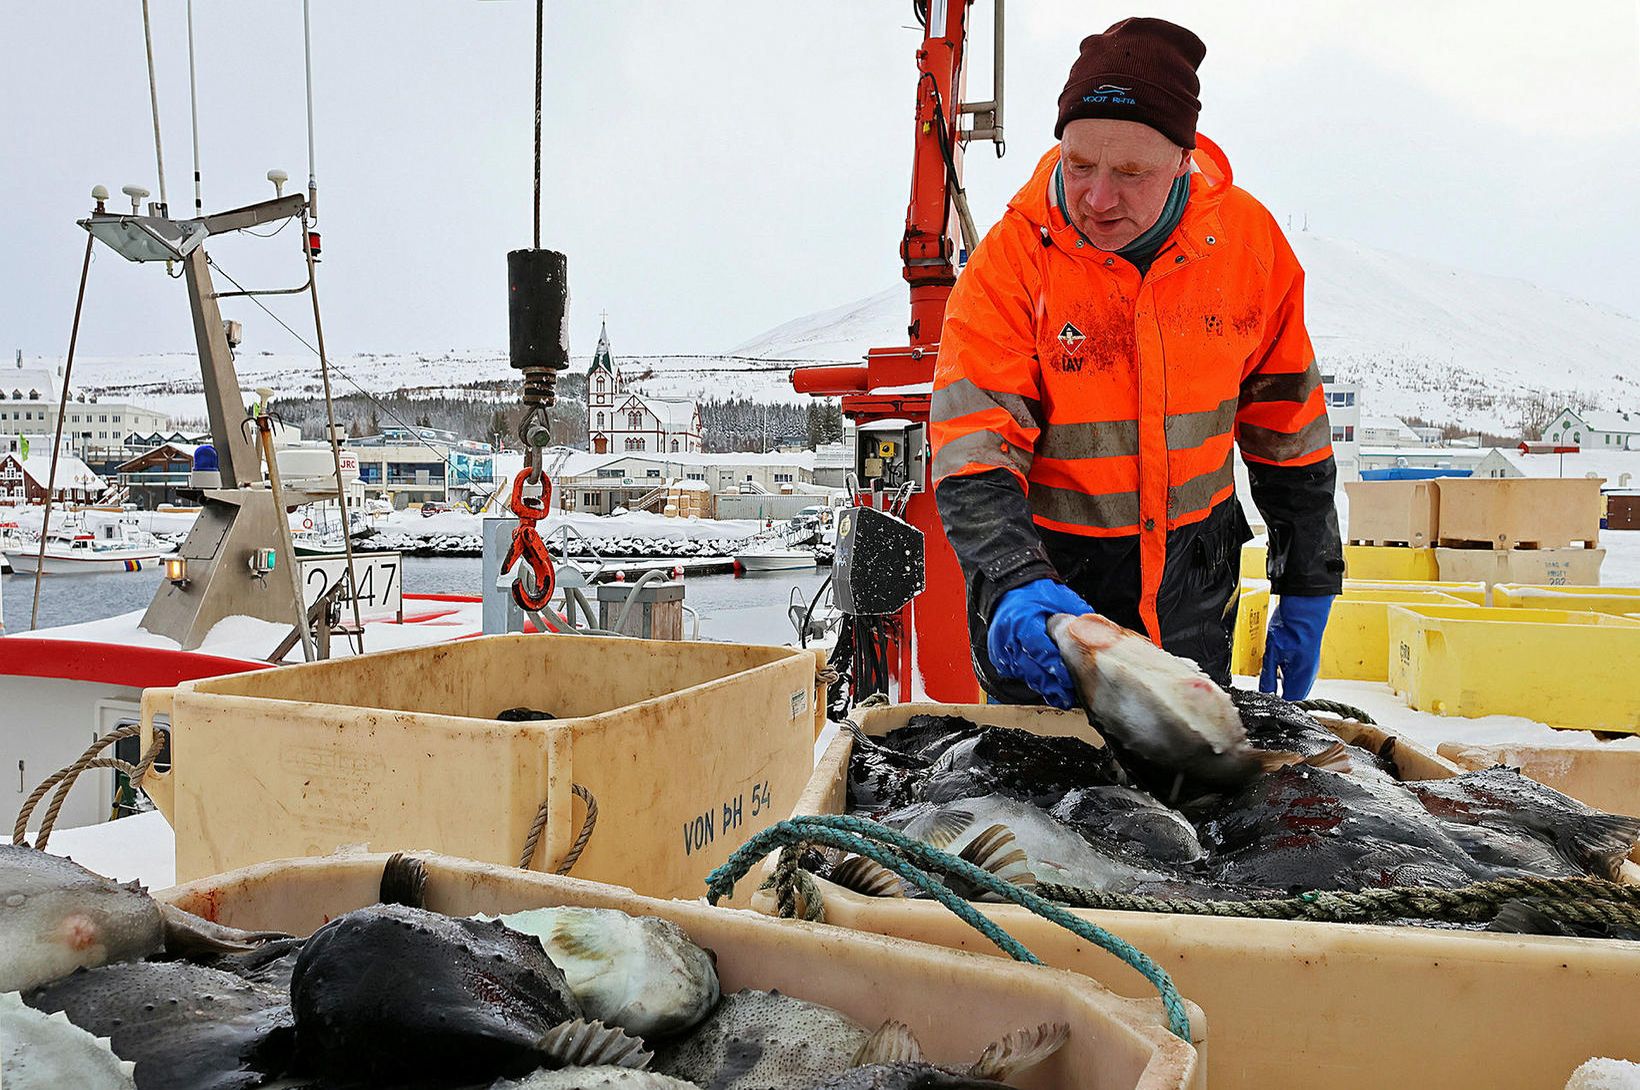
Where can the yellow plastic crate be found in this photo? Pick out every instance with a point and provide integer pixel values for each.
(1286, 998)
(1618, 600)
(1473, 593)
(1564, 668)
(954, 1002)
(1389, 562)
(1356, 645)
(689, 748)
(1252, 617)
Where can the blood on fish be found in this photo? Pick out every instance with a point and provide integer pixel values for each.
(80, 932)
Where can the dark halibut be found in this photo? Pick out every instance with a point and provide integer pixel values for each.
(186, 1026)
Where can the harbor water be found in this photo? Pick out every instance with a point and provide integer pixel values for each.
(747, 609)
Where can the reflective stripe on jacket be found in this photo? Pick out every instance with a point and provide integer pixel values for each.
(1116, 400)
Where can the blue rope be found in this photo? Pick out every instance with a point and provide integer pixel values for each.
(912, 860)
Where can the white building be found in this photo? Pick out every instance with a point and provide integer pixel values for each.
(1344, 413)
(1619, 468)
(1386, 431)
(1593, 429)
(28, 405)
(597, 484)
(622, 421)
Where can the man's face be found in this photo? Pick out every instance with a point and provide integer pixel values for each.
(1117, 177)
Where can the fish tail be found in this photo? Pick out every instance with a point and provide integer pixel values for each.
(1019, 1051)
(1601, 841)
(866, 876)
(892, 1043)
(404, 881)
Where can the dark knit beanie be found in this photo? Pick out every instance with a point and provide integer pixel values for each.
(1140, 70)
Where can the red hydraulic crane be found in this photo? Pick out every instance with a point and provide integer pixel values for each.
(888, 396)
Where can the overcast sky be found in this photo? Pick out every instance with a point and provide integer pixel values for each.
(715, 168)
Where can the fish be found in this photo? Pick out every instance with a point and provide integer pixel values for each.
(1032, 768)
(185, 1026)
(642, 974)
(1505, 801)
(392, 992)
(595, 1078)
(893, 1059)
(40, 1051)
(1522, 918)
(1174, 729)
(927, 736)
(523, 715)
(758, 1040)
(1052, 851)
(56, 916)
(882, 779)
(1131, 820)
(1301, 828)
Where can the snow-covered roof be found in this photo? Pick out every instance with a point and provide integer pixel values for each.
(1609, 464)
(28, 379)
(582, 464)
(71, 472)
(1607, 420)
(675, 414)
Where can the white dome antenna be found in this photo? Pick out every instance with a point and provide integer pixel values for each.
(136, 193)
(278, 178)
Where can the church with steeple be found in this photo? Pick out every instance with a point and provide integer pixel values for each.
(622, 421)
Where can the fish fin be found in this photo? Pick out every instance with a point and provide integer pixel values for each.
(945, 827)
(186, 933)
(1019, 1051)
(867, 876)
(1270, 760)
(404, 882)
(592, 1044)
(1526, 852)
(1335, 758)
(1600, 841)
(1520, 918)
(892, 1043)
(996, 851)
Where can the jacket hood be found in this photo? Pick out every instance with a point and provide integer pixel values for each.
(1210, 180)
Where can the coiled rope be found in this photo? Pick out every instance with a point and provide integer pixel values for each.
(1334, 707)
(66, 777)
(917, 863)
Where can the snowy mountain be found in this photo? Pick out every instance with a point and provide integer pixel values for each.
(1419, 337)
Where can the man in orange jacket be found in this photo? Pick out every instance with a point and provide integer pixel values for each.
(1131, 320)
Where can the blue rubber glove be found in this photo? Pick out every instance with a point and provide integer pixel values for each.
(1292, 647)
(1018, 640)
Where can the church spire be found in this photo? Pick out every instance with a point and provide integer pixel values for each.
(603, 358)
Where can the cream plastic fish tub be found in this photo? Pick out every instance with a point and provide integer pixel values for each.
(1299, 1006)
(955, 1003)
(688, 748)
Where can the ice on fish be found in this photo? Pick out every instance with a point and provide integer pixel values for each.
(40, 1051)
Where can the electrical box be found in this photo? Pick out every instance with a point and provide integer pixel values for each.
(263, 561)
(892, 452)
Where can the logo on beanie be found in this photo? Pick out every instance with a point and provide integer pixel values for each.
(1072, 339)
(1110, 93)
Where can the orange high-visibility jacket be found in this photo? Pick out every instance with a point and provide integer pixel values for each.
(1116, 400)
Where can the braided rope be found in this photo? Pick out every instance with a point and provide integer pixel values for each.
(539, 825)
(1334, 707)
(913, 861)
(63, 779)
(1572, 900)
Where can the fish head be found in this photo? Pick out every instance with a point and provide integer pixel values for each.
(56, 916)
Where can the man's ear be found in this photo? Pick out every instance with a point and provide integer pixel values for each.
(1184, 162)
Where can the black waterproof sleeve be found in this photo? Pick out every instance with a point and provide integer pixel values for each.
(988, 522)
(1306, 550)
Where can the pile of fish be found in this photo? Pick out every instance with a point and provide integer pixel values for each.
(1280, 806)
(118, 992)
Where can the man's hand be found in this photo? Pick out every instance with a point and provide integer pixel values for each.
(1018, 641)
(1292, 648)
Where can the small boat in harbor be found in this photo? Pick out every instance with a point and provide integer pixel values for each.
(115, 547)
(776, 558)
